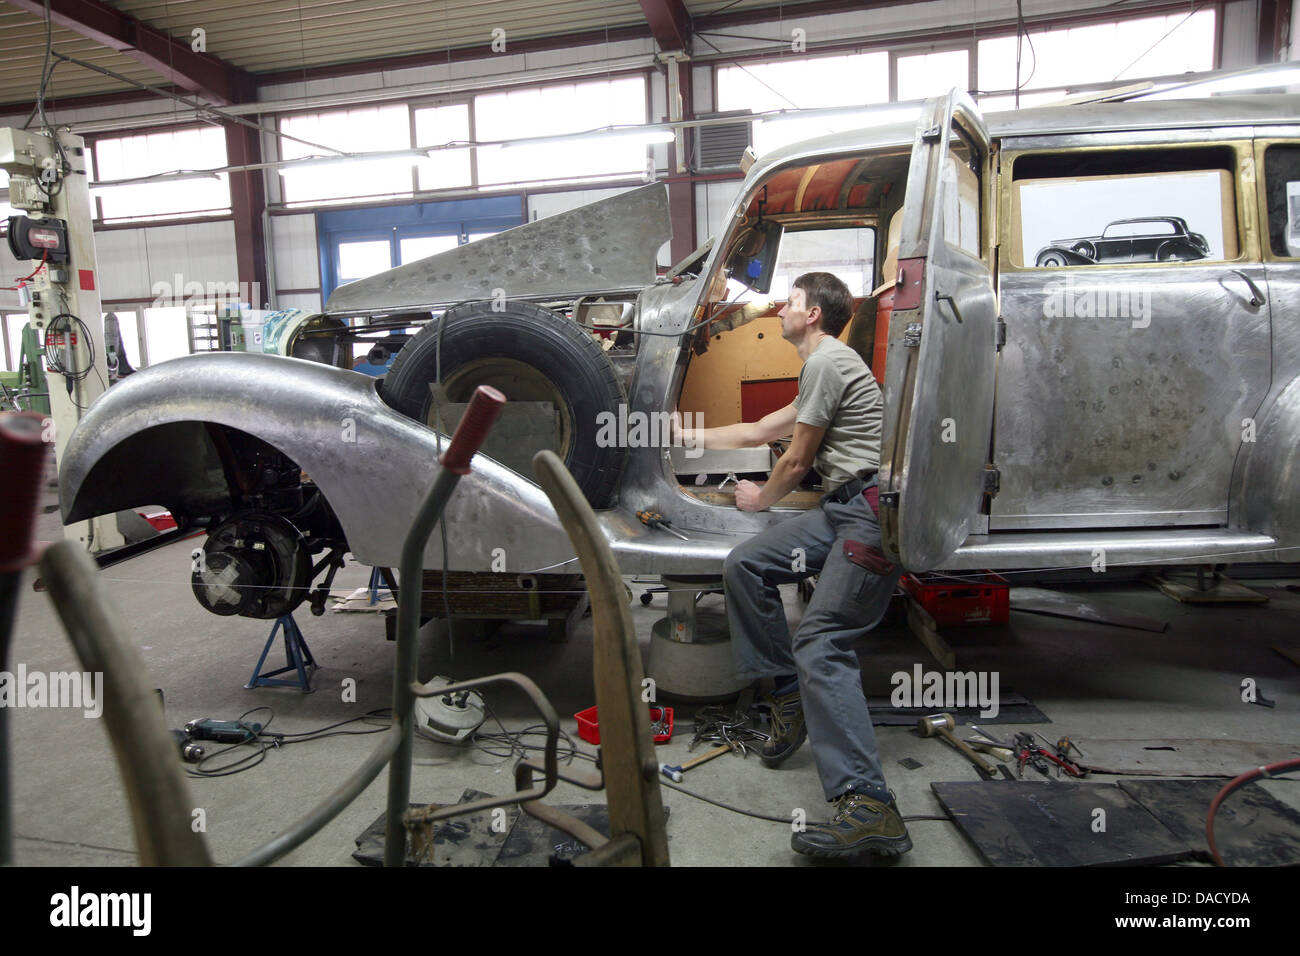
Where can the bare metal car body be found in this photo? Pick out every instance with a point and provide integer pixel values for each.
(1077, 437)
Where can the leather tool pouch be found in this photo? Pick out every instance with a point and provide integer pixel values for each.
(865, 556)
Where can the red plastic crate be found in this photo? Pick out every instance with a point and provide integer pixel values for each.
(589, 726)
(976, 598)
(161, 520)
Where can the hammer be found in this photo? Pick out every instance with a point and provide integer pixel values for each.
(941, 725)
(675, 772)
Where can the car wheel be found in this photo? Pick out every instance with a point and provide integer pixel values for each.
(530, 354)
(1052, 260)
(1168, 253)
(1085, 249)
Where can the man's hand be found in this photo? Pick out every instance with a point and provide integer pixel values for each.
(748, 496)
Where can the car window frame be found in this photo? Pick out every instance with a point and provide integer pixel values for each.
(1243, 177)
(1284, 136)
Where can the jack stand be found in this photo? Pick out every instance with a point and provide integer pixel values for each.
(376, 585)
(297, 657)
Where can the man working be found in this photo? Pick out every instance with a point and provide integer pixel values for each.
(836, 421)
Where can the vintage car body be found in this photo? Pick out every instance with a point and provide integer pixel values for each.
(1126, 240)
(1108, 443)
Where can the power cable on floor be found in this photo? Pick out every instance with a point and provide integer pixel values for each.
(260, 739)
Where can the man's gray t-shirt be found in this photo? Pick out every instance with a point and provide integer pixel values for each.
(838, 392)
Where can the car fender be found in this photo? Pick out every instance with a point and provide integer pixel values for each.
(147, 441)
(1264, 496)
(1070, 256)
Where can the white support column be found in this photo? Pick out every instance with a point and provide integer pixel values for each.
(70, 288)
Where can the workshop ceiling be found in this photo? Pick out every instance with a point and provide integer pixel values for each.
(271, 36)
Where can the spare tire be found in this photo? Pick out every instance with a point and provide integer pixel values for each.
(530, 354)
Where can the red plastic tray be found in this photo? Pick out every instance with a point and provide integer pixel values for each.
(589, 726)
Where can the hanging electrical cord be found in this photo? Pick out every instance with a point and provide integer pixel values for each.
(51, 187)
(60, 345)
(31, 275)
(1270, 770)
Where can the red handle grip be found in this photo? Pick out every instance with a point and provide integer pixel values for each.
(23, 452)
(484, 407)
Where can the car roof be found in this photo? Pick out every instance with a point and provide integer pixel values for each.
(1272, 109)
(1116, 222)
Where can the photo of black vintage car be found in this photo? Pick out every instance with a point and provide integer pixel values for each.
(1152, 239)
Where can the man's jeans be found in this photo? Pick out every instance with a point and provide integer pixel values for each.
(848, 602)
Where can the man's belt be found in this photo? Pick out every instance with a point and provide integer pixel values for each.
(849, 490)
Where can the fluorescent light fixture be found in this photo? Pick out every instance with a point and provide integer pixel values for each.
(179, 175)
(635, 134)
(384, 158)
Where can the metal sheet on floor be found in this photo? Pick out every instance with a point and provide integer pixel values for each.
(1076, 607)
(1025, 823)
(1186, 757)
(1252, 828)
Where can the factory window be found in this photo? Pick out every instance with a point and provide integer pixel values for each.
(14, 324)
(1054, 59)
(559, 110)
(931, 74)
(362, 130)
(360, 259)
(356, 243)
(846, 253)
(149, 154)
(166, 334)
(804, 83)
(438, 126)
(6, 210)
(415, 248)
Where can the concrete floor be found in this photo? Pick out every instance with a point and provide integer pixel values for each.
(1092, 681)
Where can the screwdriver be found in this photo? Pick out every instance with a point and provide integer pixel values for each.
(653, 519)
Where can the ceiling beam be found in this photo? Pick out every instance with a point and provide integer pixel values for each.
(172, 59)
(669, 22)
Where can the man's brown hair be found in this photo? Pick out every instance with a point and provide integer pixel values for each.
(831, 295)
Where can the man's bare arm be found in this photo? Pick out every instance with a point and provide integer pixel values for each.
(789, 471)
(769, 428)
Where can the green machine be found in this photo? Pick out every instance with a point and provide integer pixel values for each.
(26, 389)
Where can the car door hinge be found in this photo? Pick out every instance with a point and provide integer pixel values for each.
(932, 135)
(992, 480)
(1002, 335)
(912, 335)
(888, 499)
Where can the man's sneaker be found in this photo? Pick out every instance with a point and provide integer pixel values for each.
(860, 825)
(786, 726)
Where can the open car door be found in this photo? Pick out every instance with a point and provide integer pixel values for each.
(939, 378)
